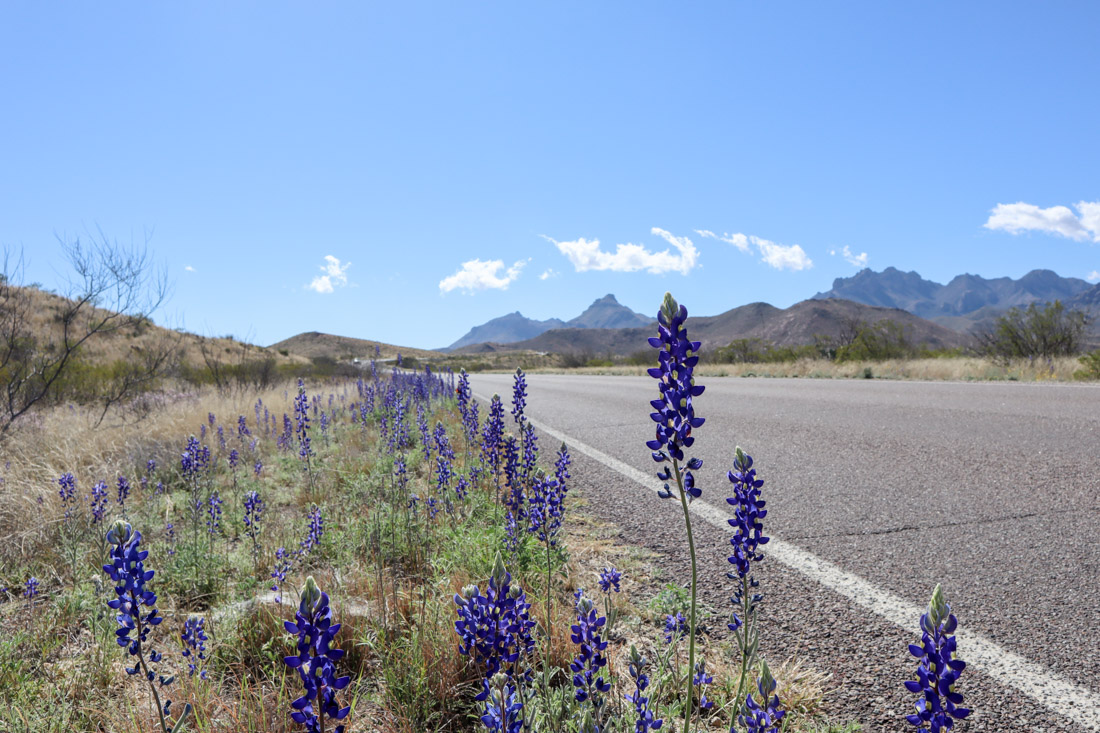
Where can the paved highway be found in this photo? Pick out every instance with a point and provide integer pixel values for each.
(992, 490)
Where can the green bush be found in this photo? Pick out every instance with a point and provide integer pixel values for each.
(1037, 331)
(1091, 368)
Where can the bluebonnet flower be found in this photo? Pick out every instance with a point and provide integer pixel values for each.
(675, 418)
(494, 628)
(425, 436)
(151, 466)
(514, 498)
(123, 491)
(314, 533)
(194, 646)
(127, 570)
(211, 418)
(214, 514)
(675, 414)
(324, 424)
(938, 670)
(258, 468)
(433, 507)
(67, 482)
(221, 437)
(676, 626)
(530, 451)
(544, 510)
(644, 718)
(748, 535)
(700, 680)
(253, 514)
(98, 501)
(170, 536)
(511, 534)
(301, 416)
(400, 472)
(491, 437)
(610, 578)
(234, 458)
(503, 709)
(252, 445)
(561, 467)
(30, 588)
(588, 681)
(202, 432)
(283, 563)
(766, 717)
(519, 396)
(462, 488)
(193, 460)
(316, 660)
(242, 423)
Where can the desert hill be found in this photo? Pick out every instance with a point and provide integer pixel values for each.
(313, 344)
(793, 326)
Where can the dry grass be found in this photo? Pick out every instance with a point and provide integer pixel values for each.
(954, 369)
(51, 442)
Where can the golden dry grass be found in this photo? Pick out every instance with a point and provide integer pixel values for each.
(52, 441)
(956, 369)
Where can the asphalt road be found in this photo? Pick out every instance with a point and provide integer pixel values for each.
(992, 490)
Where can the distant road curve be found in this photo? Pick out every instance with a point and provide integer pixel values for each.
(876, 492)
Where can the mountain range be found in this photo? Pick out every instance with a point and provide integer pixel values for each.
(963, 303)
(933, 314)
(605, 312)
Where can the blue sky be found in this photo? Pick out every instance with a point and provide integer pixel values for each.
(335, 167)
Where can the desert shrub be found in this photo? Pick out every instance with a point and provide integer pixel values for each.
(1091, 366)
(1038, 331)
(886, 339)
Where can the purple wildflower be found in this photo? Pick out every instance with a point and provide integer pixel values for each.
(644, 718)
(194, 646)
(316, 660)
(610, 578)
(938, 670)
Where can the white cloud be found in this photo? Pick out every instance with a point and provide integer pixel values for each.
(335, 276)
(476, 275)
(188, 268)
(1021, 217)
(859, 260)
(779, 256)
(1093, 277)
(551, 272)
(740, 241)
(587, 255)
(782, 256)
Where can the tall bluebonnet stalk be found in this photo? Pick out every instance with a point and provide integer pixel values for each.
(588, 682)
(67, 491)
(938, 670)
(462, 395)
(123, 492)
(214, 516)
(193, 464)
(765, 716)
(301, 416)
(425, 435)
(97, 503)
(491, 436)
(194, 641)
(644, 720)
(748, 537)
(675, 418)
(284, 561)
(701, 680)
(127, 569)
(253, 515)
(519, 396)
(316, 661)
(242, 424)
(313, 534)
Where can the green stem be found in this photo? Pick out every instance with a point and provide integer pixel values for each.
(743, 639)
(145, 670)
(691, 621)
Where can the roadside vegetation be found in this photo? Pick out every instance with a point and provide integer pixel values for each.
(1039, 343)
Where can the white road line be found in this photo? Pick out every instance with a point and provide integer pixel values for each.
(1057, 694)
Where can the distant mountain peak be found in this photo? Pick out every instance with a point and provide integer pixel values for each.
(965, 295)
